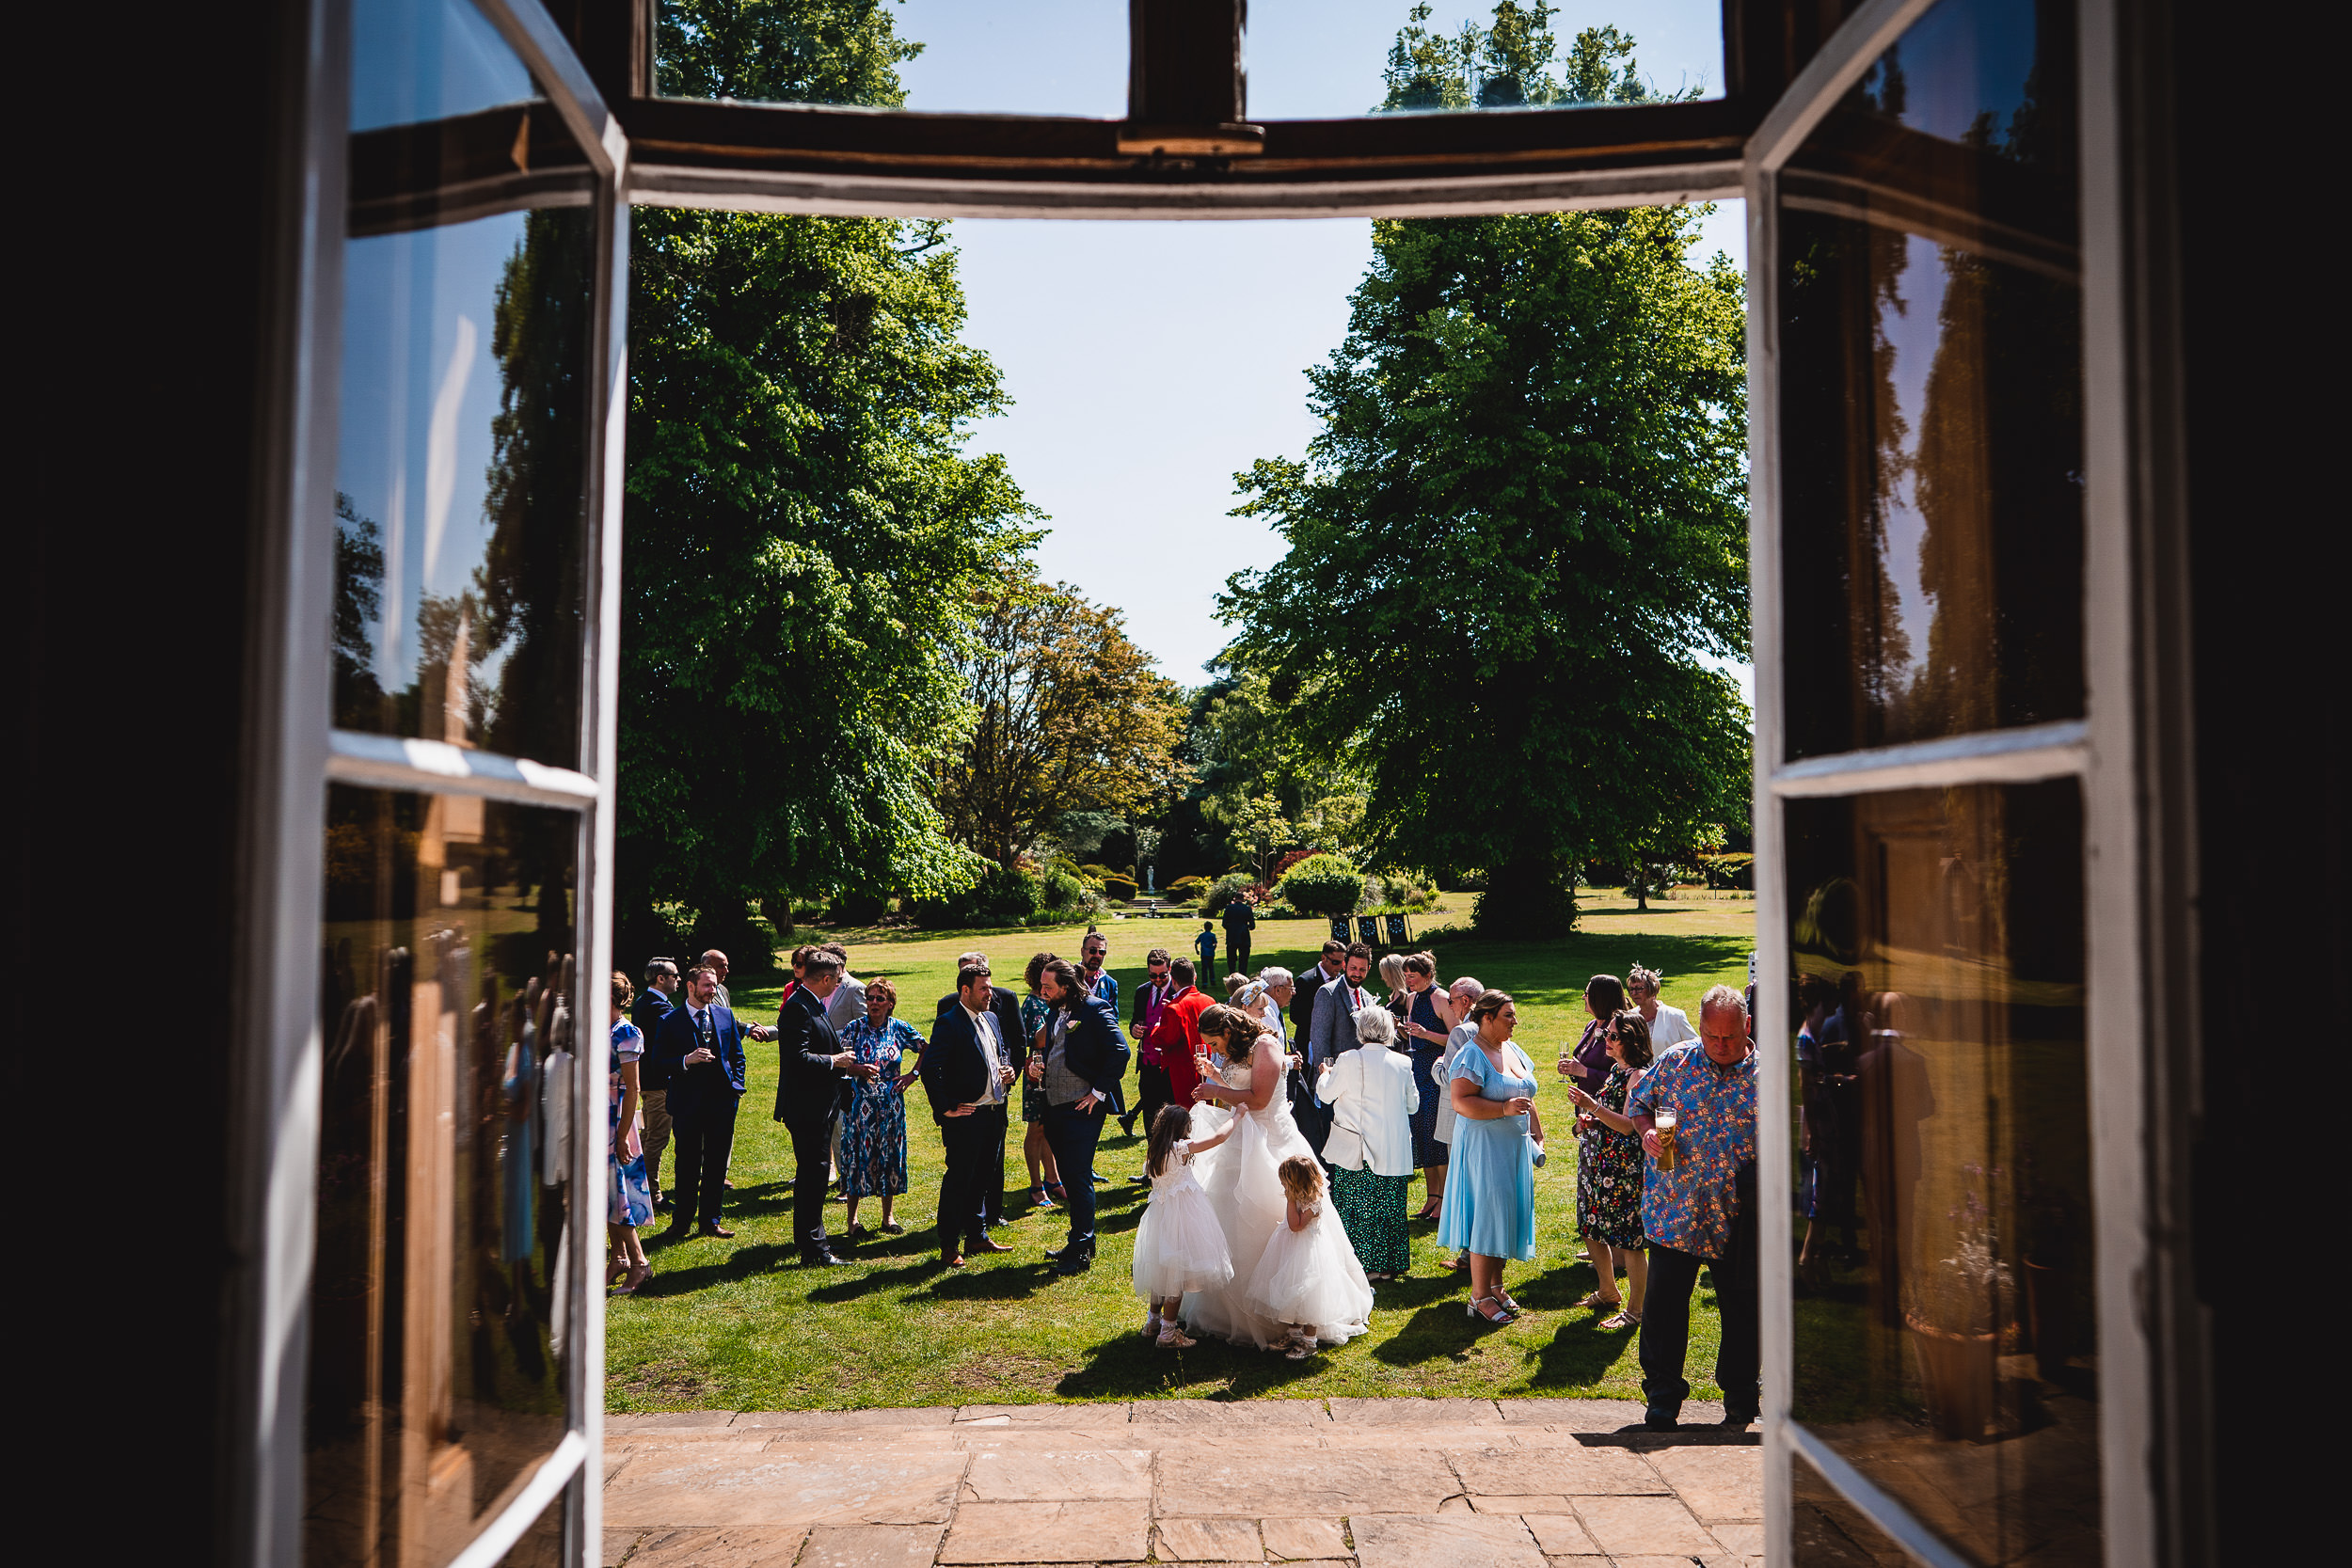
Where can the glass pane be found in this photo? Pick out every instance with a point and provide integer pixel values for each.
(1829, 1533)
(1328, 59)
(438, 1304)
(1944, 1304)
(542, 1545)
(1030, 58)
(462, 468)
(413, 61)
(1931, 391)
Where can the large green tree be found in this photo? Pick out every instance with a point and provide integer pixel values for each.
(1522, 528)
(806, 540)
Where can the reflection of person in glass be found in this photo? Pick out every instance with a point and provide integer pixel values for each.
(1892, 1091)
(1701, 1213)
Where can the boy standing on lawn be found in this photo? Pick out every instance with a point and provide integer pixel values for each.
(1205, 945)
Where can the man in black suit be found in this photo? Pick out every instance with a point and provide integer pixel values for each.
(700, 1051)
(808, 1098)
(1011, 1052)
(1330, 967)
(1079, 1070)
(964, 1076)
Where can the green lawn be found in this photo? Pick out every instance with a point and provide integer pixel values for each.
(736, 1325)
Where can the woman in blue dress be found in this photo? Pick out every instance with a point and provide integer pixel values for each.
(1490, 1198)
(631, 1203)
(874, 1123)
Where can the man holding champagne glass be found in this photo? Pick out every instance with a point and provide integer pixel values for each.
(1696, 1110)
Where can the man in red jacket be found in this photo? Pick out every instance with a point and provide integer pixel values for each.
(1177, 1036)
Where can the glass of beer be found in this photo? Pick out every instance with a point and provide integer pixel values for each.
(1665, 1123)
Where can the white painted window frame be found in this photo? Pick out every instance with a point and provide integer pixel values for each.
(294, 754)
(2103, 750)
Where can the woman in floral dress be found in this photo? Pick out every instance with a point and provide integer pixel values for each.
(1609, 1173)
(874, 1123)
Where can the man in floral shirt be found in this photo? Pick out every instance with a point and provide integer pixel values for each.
(1702, 1212)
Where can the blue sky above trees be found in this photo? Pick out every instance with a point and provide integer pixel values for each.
(1148, 362)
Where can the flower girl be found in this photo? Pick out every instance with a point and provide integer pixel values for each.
(1308, 1280)
(1180, 1246)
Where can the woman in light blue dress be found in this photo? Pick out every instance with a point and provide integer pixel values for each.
(1489, 1206)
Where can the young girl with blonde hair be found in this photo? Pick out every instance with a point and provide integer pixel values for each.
(1308, 1278)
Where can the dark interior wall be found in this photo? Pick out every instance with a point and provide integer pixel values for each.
(2268, 662)
(136, 318)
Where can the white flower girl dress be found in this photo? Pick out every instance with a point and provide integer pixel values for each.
(1180, 1246)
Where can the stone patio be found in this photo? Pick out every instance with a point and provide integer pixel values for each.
(1368, 1484)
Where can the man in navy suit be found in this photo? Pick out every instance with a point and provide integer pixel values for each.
(700, 1050)
(964, 1077)
(1332, 1030)
(808, 1097)
(1079, 1070)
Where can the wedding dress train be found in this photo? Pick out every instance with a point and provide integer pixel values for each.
(1246, 1195)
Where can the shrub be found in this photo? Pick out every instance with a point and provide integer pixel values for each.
(1002, 896)
(1281, 867)
(1325, 885)
(1061, 890)
(1120, 886)
(1221, 892)
(1186, 889)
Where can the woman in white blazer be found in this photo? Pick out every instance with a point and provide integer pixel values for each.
(1371, 1096)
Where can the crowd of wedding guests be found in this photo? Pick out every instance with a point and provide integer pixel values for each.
(1283, 1126)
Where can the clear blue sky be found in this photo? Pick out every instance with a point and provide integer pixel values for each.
(1150, 361)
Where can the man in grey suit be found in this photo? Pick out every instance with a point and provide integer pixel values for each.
(1332, 1030)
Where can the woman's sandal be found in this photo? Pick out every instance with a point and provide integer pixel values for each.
(1596, 1301)
(1428, 1210)
(1038, 1199)
(1058, 1193)
(1508, 1305)
(638, 1275)
(1625, 1319)
(1506, 1314)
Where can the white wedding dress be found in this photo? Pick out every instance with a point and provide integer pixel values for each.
(1246, 1195)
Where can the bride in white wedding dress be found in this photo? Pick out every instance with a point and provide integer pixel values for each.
(1245, 1193)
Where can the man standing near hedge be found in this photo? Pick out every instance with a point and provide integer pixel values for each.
(1240, 919)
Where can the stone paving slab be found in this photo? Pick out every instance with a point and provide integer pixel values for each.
(873, 1547)
(827, 1420)
(1246, 1482)
(813, 1485)
(1065, 1415)
(1646, 1526)
(1361, 1483)
(1415, 1412)
(755, 1546)
(1561, 1535)
(1716, 1483)
(998, 1533)
(1445, 1541)
(1575, 1472)
(1221, 1413)
(1085, 1475)
(1209, 1541)
(1304, 1540)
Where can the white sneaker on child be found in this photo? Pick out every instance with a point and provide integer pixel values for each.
(1151, 1325)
